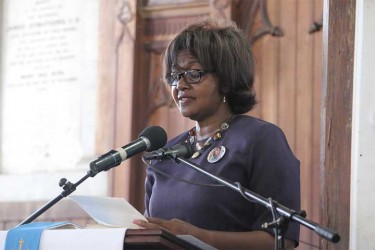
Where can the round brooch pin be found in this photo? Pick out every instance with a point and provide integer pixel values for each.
(216, 154)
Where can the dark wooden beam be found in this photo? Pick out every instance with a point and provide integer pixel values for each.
(338, 56)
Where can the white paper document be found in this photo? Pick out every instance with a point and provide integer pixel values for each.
(109, 211)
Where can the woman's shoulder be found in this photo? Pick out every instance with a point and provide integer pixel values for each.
(255, 130)
(258, 132)
(253, 124)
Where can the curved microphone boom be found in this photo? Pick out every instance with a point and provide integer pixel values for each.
(182, 149)
(149, 139)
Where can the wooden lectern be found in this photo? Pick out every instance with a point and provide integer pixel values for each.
(154, 239)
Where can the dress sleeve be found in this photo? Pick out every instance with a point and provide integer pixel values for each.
(275, 174)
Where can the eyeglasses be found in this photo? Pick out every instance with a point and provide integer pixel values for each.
(191, 76)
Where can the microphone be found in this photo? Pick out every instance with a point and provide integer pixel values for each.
(150, 138)
(182, 149)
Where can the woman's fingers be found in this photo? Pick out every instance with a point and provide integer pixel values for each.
(156, 220)
(144, 224)
(174, 226)
(152, 223)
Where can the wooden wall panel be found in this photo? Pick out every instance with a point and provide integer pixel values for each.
(304, 106)
(115, 91)
(288, 67)
(268, 74)
(257, 49)
(316, 115)
(288, 88)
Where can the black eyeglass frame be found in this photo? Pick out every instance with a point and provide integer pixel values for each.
(172, 80)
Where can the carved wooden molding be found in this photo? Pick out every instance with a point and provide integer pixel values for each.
(196, 8)
(125, 16)
(254, 19)
(163, 29)
(316, 26)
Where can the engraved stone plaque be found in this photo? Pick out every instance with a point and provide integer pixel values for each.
(48, 85)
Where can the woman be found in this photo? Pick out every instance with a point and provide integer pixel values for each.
(209, 67)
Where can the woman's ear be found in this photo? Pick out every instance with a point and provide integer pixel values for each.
(224, 88)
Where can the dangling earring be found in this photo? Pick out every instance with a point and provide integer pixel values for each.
(224, 99)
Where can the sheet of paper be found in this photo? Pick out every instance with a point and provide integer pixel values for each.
(109, 211)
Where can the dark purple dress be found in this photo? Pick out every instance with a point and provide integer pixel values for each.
(257, 156)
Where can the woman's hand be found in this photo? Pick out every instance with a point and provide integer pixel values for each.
(174, 226)
(218, 239)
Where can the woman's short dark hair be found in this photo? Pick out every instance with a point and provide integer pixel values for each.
(220, 46)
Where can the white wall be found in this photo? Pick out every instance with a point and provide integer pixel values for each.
(48, 104)
(362, 216)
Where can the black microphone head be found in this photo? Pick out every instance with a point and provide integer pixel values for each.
(156, 135)
(184, 149)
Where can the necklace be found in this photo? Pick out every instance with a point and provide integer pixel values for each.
(200, 146)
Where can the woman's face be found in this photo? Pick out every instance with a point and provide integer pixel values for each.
(200, 100)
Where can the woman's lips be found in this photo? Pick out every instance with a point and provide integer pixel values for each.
(185, 99)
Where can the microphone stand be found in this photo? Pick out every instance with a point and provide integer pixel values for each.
(281, 214)
(149, 138)
(67, 187)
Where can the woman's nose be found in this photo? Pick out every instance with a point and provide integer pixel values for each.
(182, 84)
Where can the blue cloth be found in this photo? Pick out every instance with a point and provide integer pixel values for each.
(257, 156)
(28, 236)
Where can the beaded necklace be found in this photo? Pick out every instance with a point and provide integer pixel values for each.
(200, 146)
